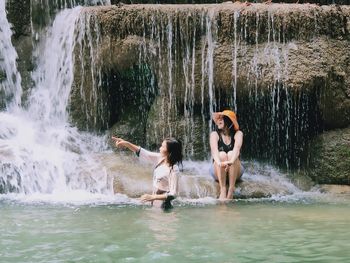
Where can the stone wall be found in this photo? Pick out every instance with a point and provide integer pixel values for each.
(19, 15)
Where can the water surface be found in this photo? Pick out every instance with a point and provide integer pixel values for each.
(242, 231)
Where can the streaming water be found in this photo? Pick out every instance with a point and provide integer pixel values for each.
(234, 62)
(175, 61)
(41, 152)
(10, 79)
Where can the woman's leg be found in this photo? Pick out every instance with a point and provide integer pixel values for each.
(221, 175)
(234, 173)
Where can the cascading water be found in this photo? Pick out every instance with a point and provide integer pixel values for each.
(274, 113)
(172, 81)
(54, 75)
(234, 63)
(206, 59)
(10, 79)
(209, 62)
(40, 152)
(173, 60)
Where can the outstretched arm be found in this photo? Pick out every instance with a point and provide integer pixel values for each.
(119, 142)
(151, 157)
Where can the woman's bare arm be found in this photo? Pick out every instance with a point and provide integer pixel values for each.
(119, 142)
(214, 138)
(236, 148)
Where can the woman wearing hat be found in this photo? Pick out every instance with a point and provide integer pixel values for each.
(225, 145)
(166, 169)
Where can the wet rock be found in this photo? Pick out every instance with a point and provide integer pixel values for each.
(287, 64)
(330, 158)
(120, 54)
(299, 37)
(320, 2)
(129, 128)
(134, 178)
(302, 180)
(163, 122)
(250, 189)
(335, 100)
(19, 15)
(335, 189)
(2, 75)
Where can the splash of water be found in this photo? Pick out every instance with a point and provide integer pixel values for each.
(54, 75)
(41, 153)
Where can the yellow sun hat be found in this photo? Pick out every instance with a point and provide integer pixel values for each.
(230, 114)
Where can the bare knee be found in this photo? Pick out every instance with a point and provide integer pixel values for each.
(220, 171)
(230, 155)
(223, 156)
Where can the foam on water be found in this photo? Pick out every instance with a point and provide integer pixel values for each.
(41, 153)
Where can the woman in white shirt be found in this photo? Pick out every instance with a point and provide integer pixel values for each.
(166, 169)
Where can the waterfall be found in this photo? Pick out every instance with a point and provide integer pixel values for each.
(187, 52)
(162, 75)
(10, 78)
(40, 151)
(171, 53)
(54, 75)
(88, 60)
(209, 62)
(234, 62)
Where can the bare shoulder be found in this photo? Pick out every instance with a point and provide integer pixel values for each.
(214, 135)
(238, 134)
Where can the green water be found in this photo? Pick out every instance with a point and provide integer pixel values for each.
(238, 232)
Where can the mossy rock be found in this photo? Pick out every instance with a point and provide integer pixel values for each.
(2, 75)
(330, 157)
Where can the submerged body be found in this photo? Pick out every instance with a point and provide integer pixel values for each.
(166, 170)
(165, 178)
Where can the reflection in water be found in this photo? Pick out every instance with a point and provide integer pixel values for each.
(163, 225)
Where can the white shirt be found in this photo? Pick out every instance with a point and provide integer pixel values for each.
(165, 178)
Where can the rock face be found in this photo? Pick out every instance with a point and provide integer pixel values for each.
(330, 157)
(321, 2)
(283, 68)
(133, 179)
(19, 15)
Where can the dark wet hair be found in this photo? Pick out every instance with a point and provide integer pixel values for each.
(228, 123)
(174, 149)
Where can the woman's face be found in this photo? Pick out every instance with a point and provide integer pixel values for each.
(163, 149)
(220, 122)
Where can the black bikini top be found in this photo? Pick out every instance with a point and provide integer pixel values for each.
(222, 147)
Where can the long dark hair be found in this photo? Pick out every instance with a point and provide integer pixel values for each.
(228, 123)
(174, 149)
